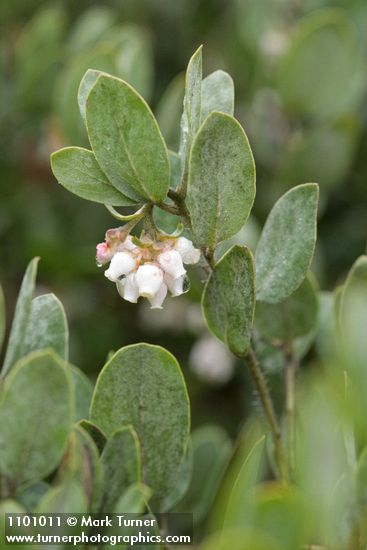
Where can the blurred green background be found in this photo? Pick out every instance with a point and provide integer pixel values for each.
(299, 69)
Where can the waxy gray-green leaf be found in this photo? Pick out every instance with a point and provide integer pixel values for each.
(47, 327)
(295, 316)
(32, 441)
(81, 463)
(76, 169)
(285, 250)
(21, 317)
(85, 86)
(83, 391)
(217, 94)
(229, 299)
(121, 465)
(126, 140)
(142, 385)
(221, 185)
(190, 120)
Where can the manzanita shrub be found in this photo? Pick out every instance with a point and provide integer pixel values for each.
(297, 477)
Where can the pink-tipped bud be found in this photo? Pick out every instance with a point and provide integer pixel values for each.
(149, 278)
(121, 264)
(171, 263)
(103, 253)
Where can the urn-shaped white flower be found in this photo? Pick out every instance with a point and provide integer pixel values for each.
(149, 278)
(157, 301)
(175, 286)
(128, 288)
(187, 251)
(121, 264)
(171, 263)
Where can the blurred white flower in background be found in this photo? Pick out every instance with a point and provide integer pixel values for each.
(211, 361)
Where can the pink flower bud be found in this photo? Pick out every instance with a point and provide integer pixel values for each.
(104, 253)
(171, 263)
(149, 278)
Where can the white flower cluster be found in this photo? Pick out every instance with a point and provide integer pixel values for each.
(148, 268)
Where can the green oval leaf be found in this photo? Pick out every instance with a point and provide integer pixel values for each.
(229, 299)
(47, 327)
(295, 316)
(217, 94)
(182, 483)
(142, 385)
(284, 252)
(221, 185)
(32, 440)
(211, 450)
(126, 140)
(64, 499)
(190, 120)
(81, 463)
(21, 317)
(83, 391)
(77, 170)
(121, 465)
(86, 84)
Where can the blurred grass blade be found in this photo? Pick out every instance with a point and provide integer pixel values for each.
(2, 317)
(21, 317)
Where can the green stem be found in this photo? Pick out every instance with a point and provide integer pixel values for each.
(136, 216)
(178, 197)
(267, 404)
(291, 366)
(168, 208)
(180, 203)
